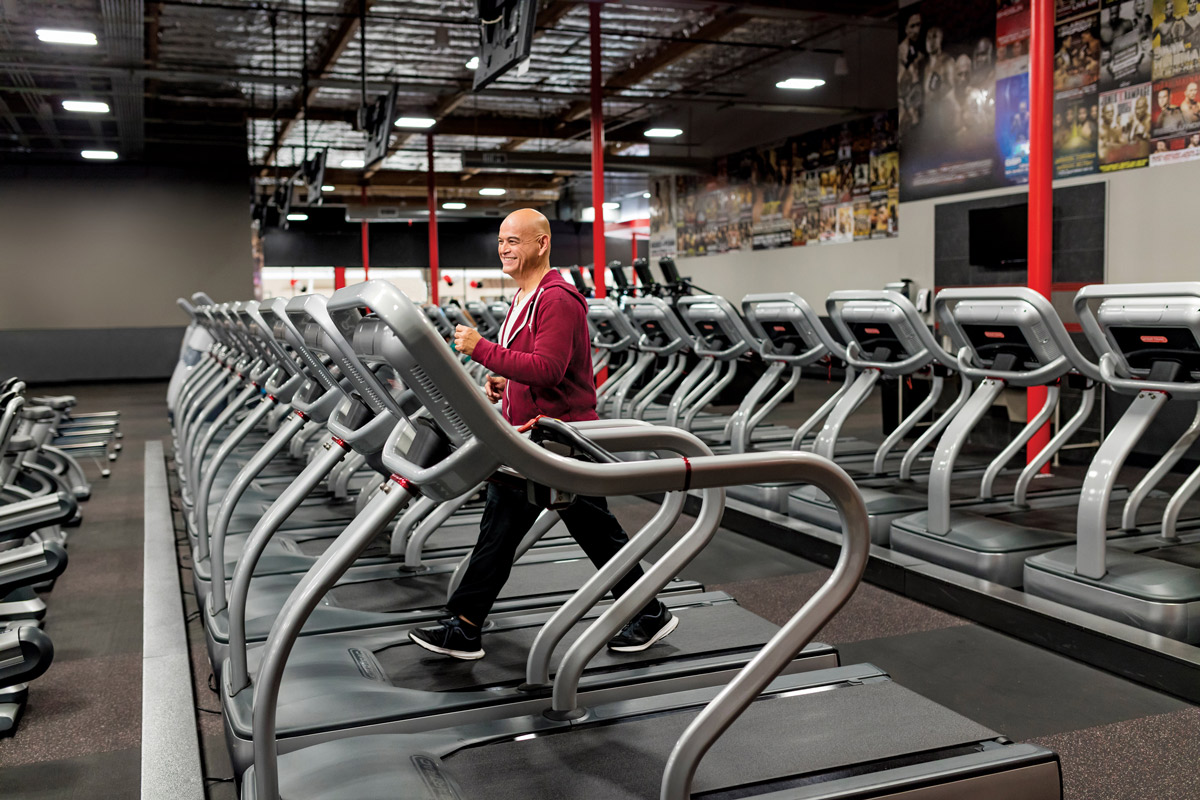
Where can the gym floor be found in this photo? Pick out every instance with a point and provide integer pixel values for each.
(81, 734)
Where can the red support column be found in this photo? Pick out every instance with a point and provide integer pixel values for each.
(1041, 176)
(433, 235)
(339, 278)
(598, 258)
(366, 241)
(633, 258)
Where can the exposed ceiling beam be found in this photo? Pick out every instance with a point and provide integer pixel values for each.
(551, 13)
(660, 58)
(581, 162)
(398, 177)
(339, 38)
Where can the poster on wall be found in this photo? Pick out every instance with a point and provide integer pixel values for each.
(945, 87)
(1127, 36)
(1174, 149)
(1012, 37)
(1125, 124)
(1176, 106)
(1176, 36)
(662, 224)
(1076, 122)
(1012, 126)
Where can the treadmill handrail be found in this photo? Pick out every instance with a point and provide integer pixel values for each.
(628, 336)
(672, 327)
(903, 367)
(746, 345)
(1041, 306)
(1108, 374)
(1045, 374)
(936, 351)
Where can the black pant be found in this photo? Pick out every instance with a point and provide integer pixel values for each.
(507, 517)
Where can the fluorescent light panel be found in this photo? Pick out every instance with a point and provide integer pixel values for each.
(454, 206)
(85, 106)
(99, 155)
(297, 217)
(612, 205)
(800, 83)
(353, 163)
(646, 195)
(55, 36)
(664, 133)
(328, 188)
(473, 63)
(493, 192)
(415, 122)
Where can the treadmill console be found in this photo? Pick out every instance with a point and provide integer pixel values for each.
(997, 328)
(880, 327)
(1145, 331)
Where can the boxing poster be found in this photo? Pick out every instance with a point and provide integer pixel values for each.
(1127, 39)
(662, 223)
(1076, 122)
(946, 86)
(1174, 149)
(1176, 107)
(1176, 34)
(1012, 126)
(1012, 38)
(1125, 124)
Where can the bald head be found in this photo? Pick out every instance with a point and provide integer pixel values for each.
(524, 246)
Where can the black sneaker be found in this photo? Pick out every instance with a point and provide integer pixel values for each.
(450, 637)
(644, 631)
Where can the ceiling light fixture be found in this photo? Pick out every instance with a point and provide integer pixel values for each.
(664, 133)
(99, 155)
(353, 163)
(646, 195)
(493, 192)
(297, 217)
(328, 188)
(800, 83)
(473, 63)
(415, 122)
(85, 106)
(53, 36)
(612, 205)
(454, 206)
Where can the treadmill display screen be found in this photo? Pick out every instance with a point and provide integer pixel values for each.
(873, 335)
(991, 341)
(713, 334)
(784, 336)
(1143, 346)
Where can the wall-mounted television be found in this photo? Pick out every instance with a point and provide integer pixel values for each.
(999, 236)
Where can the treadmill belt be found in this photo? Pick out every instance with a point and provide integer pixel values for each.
(703, 630)
(1186, 555)
(428, 590)
(774, 740)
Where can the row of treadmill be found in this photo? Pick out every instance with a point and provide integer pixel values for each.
(331, 453)
(44, 443)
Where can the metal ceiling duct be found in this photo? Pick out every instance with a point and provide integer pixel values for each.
(124, 36)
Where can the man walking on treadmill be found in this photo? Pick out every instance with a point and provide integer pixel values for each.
(542, 364)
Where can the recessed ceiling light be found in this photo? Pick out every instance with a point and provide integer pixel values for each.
(297, 217)
(473, 63)
(646, 195)
(493, 192)
(85, 106)
(415, 122)
(454, 206)
(612, 205)
(353, 163)
(99, 155)
(800, 83)
(328, 188)
(53, 36)
(664, 133)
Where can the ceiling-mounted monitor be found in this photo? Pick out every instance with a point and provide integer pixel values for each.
(376, 120)
(505, 37)
(312, 172)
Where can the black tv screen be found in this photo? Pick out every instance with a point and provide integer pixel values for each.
(999, 237)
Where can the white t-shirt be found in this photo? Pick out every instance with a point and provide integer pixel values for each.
(509, 328)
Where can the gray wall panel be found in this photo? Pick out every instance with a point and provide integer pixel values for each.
(54, 356)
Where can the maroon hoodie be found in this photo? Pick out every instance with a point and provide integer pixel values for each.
(548, 358)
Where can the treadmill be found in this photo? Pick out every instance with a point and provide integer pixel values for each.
(844, 732)
(373, 594)
(1148, 338)
(1006, 337)
(338, 684)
